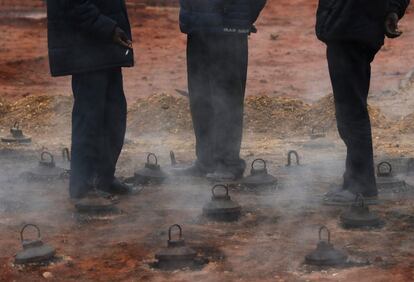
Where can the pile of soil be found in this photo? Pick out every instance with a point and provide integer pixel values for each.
(39, 113)
(406, 125)
(322, 115)
(4, 107)
(282, 116)
(164, 113)
(160, 113)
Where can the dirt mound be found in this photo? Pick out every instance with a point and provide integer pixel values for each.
(281, 116)
(46, 113)
(163, 113)
(4, 107)
(406, 125)
(159, 113)
(322, 115)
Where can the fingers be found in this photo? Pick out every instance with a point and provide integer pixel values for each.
(122, 39)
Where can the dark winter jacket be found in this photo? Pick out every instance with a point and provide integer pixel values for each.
(356, 20)
(219, 16)
(80, 35)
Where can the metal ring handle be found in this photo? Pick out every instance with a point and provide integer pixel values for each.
(152, 155)
(327, 231)
(222, 186)
(173, 159)
(24, 228)
(259, 160)
(16, 125)
(382, 164)
(45, 153)
(171, 228)
(290, 153)
(66, 154)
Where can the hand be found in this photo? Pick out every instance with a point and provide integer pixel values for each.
(391, 26)
(121, 38)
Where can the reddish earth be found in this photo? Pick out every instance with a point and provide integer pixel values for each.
(292, 65)
(287, 72)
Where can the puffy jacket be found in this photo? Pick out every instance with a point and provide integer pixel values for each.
(219, 16)
(356, 20)
(80, 35)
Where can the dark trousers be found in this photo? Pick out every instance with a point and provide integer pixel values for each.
(217, 72)
(350, 71)
(98, 129)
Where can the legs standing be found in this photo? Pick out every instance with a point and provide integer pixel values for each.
(98, 128)
(350, 71)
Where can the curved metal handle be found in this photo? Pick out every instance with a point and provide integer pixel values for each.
(290, 153)
(383, 164)
(259, 160)
(220, 186)
(327, 231)
(170, 230)
(66, 154)
(152, 155)
(173, 159)
(16, 125)
(45, 153)
(24, 228)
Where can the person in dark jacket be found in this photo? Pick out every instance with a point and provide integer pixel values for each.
(91, 41)
(217, 55)
(354, 31)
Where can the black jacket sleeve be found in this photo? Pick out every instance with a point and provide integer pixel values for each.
(256, 7)
(398, 6)
(87, 17)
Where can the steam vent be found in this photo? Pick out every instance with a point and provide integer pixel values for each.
(206, 140)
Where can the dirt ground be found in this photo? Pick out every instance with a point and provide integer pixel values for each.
(288, 95)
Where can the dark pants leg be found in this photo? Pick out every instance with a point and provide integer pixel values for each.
(350, 71)
(98, 128)
(217, 72)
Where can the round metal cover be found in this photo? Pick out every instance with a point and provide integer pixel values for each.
(46, 169)
(359, 216)
(222, 207)
(387, 182)
(94, 203)
(34, 251)
(176, 253)
(325, 253)
(16, 135)
(151, 173)
(259, 176)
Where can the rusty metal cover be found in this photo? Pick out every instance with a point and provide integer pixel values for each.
(387, 182)
(176, 253)
(34, 251)
(359, 216)
(151, 173)
(325, 253)
(259, 176)
(16, 135)
(222, 207)
(46, 169)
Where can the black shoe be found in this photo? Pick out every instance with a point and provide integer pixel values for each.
(194, 170)
(119, 188)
